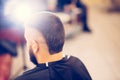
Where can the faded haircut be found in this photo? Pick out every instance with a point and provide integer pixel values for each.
(51, 28)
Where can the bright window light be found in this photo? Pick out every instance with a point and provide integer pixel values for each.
(18, 11)
(22, 12)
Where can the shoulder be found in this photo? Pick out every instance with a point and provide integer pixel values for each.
(76, 63)
(79, 69)
(24, 75)
(74, 60)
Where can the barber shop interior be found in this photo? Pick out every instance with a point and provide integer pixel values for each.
(59, 39)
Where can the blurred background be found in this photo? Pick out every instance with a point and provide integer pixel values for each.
(92, 29)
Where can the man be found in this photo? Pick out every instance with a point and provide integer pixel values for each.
(63, 5)
(45, 36)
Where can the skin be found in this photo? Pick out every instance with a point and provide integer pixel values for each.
(37, 44)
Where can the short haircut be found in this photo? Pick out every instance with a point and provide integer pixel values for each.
(51, 28)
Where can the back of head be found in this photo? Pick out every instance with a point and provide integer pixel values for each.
(50, 26)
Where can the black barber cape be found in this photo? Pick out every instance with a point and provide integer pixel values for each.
(69, 68)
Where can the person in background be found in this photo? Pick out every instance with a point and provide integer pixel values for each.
(71, 5)
(7, 51)
(45, 36)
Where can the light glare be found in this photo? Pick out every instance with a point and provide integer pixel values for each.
(22, 12)
(18, 11)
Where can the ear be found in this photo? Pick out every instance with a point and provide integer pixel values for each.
(35, 46)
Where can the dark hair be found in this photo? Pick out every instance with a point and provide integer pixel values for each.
(51, 28)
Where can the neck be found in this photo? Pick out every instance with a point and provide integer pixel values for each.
(47, 57)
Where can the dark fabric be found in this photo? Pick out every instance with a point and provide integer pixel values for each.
(61, 3)
(65, 69)
(8, 47)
